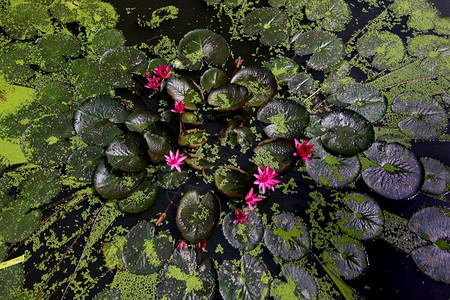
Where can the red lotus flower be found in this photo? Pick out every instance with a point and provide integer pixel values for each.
(251, 199)
(303, 150)
(266, 179)
(241, 216)
(179, 106)
(162, 71)
(153, 83)
(175, 160)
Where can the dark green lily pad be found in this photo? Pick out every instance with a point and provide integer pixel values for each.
(183, 278)
(82, 70)
(315, 127)
(300, 84)
(128, 152)
(108, 294)
(160, 137)
(142, 199)
(249, 279)
(11, 281)
(434, 50)
(95, 121)
(229, 97)
(348, 132)
(54, 97)
(140, 119)
(362, 217)
(40, 187)
(273, 25)
(278, 153)
(289, 119)
(115, 184)
(336, 78)
(82, 163)
(237, 133)
(283, 69)
(105, 39)
(17, 224)
(231, 181)
(243, 236)
(202, 45)
(213, 78)
(436, 176)
(300, 284)
(171, 179)
(144, 252)
(258, 81)
(326, 48)
(118, 64)
(63, 10)
(289, 238)
(14, 59)
(192, 138)
(192, 118)
(426, 118)
(398, 175)
(93, 88)
(183, 89)
(198, 216)
(334, 14)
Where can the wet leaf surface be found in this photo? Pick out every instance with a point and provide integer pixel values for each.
(245, 235)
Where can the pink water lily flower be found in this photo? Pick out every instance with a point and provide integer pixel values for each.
(153, 83)
(251, 199)
(265, 179)
(241, 216)
(175, 160)
(162, 71)
(179, 106)
(303, 150)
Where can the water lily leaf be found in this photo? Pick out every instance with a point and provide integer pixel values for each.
(82, 70)
(336, 78)
(140, 119)
(63, 10)
(278, 153)
(17, 224)
(282, 68)
(243, 236)
(348, 132)
(300, 284)
(170, 179)
(192, 118)
(11, 280)
(54, 97)
(14, 59)
(271, 23)
(231, 181)
(83, 162)
(105, 39)
(258, 81)
(40, 187)
(92, 88)
(301, 84)
(142, 199)
(45, 141)
(237, 133)
(292, 6)
(128, 152)
(364, 99)
(433, 261)
(426, 118)
(289, 238)
(156, 62)
(330, 170)
(202, 45)
(315, 127)
(326, 48)
(144, 252)
(398, 175)
(289, 119)
(192, 138)
(160, 137)
(248, 280)
(183, 89)
(198, 216)
(436, 176)
(213, 78)
(27, 20)
(118, 64)
(335, 14)
(362, 217)
(115, 184)
(95, 121)
(108, 294)
(425, 45)
(183, 278)
(229, 97)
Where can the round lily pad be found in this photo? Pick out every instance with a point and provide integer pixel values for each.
(83, 70)
(278, 153)
(334, 14)
(142, 199)
(92, 88)
(243, 236)
(362, 217)
(17, 223)
(128, 152)
(248, 279)
(213, 78)
(301, 84)
(192, 138)
(202, 45)
(183, 89)
(231, 181)
(271, 23)
(288, 239)
(54, 97)
(144, 252)
(11, 281)
(258, 81)
(141, 119)
(64, 11)
(26, 20)
(237, 133)
(283, 69)
(398, 175)
(105, 39)
(289, 119)
(436, 176)
(299, 284)
(14, 59)
(192, 118)
(198, 216)
(229, 97)
(348, 132)
(83, 162)
(40, 187)
(433, 50)
(183, 278)
(160, 137)
(170, 179)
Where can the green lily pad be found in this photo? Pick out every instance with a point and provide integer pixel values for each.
(289, 119)
(198, 216)
(362, 217)
(258, 81)
(40, 187)
(128, 152)
(336, 78)
(170, 179)
(115, 184)
(243, 236)
(14, 59)
(301, 84)
(232, 181)
(142, 199)
(17, 224)
(83, 162)
(278, 153)
(144, 252)
(399, 173)
(156, 62)
(326, 48)
(63, 10)
(183, 89)
(334, 14)
(300, 284)
(282, 68)
(105, 39)
(229, 97)
(436, 176)
(271, 23)
(11, 281)
(192, 138)
(289, 238)
(160, 137)
(249, 279)
(202, 45)
(108, 294)
(237, 133)
(183, 278)
(140, 119)
(426, 118)
(54, 97)
(118, 64)
(315, 127)
(213, 78)
(83, 70)
(192, 118)
(93, 88)
(348, 132)
(434, 50)
(95, 121)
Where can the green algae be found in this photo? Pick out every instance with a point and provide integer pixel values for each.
(159, 15)
(192, 280)
(133, 286)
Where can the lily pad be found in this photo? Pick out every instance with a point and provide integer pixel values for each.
(105, 39)
(183, 278)
(17, 223)
(213, 78)
(237, 133)
(348, 132)
(399, 173)
(326, 48)
(142, 199)
(128, 152)
(289, 238)
(229, 97)
(82, 163)
(140, 119)
(83, 70)
(108, 294)
(362, 217)
(300, 284)
(63, 10)
(198, 216)
(271, 23)
(334, 14)
(436, 176)
(301, 84)
(11, 281)
(40, 187)
(144, 252)
(202, 45)
(248, 279)
(434, 50)
(278, 153)
(289, 119)
(192, 138)
(231, 181)
(54, 97)
(192, 118)
(243, 236)
(169, 179)
(14, 59)
(160, 138)
(183, 89)
(283, 69)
